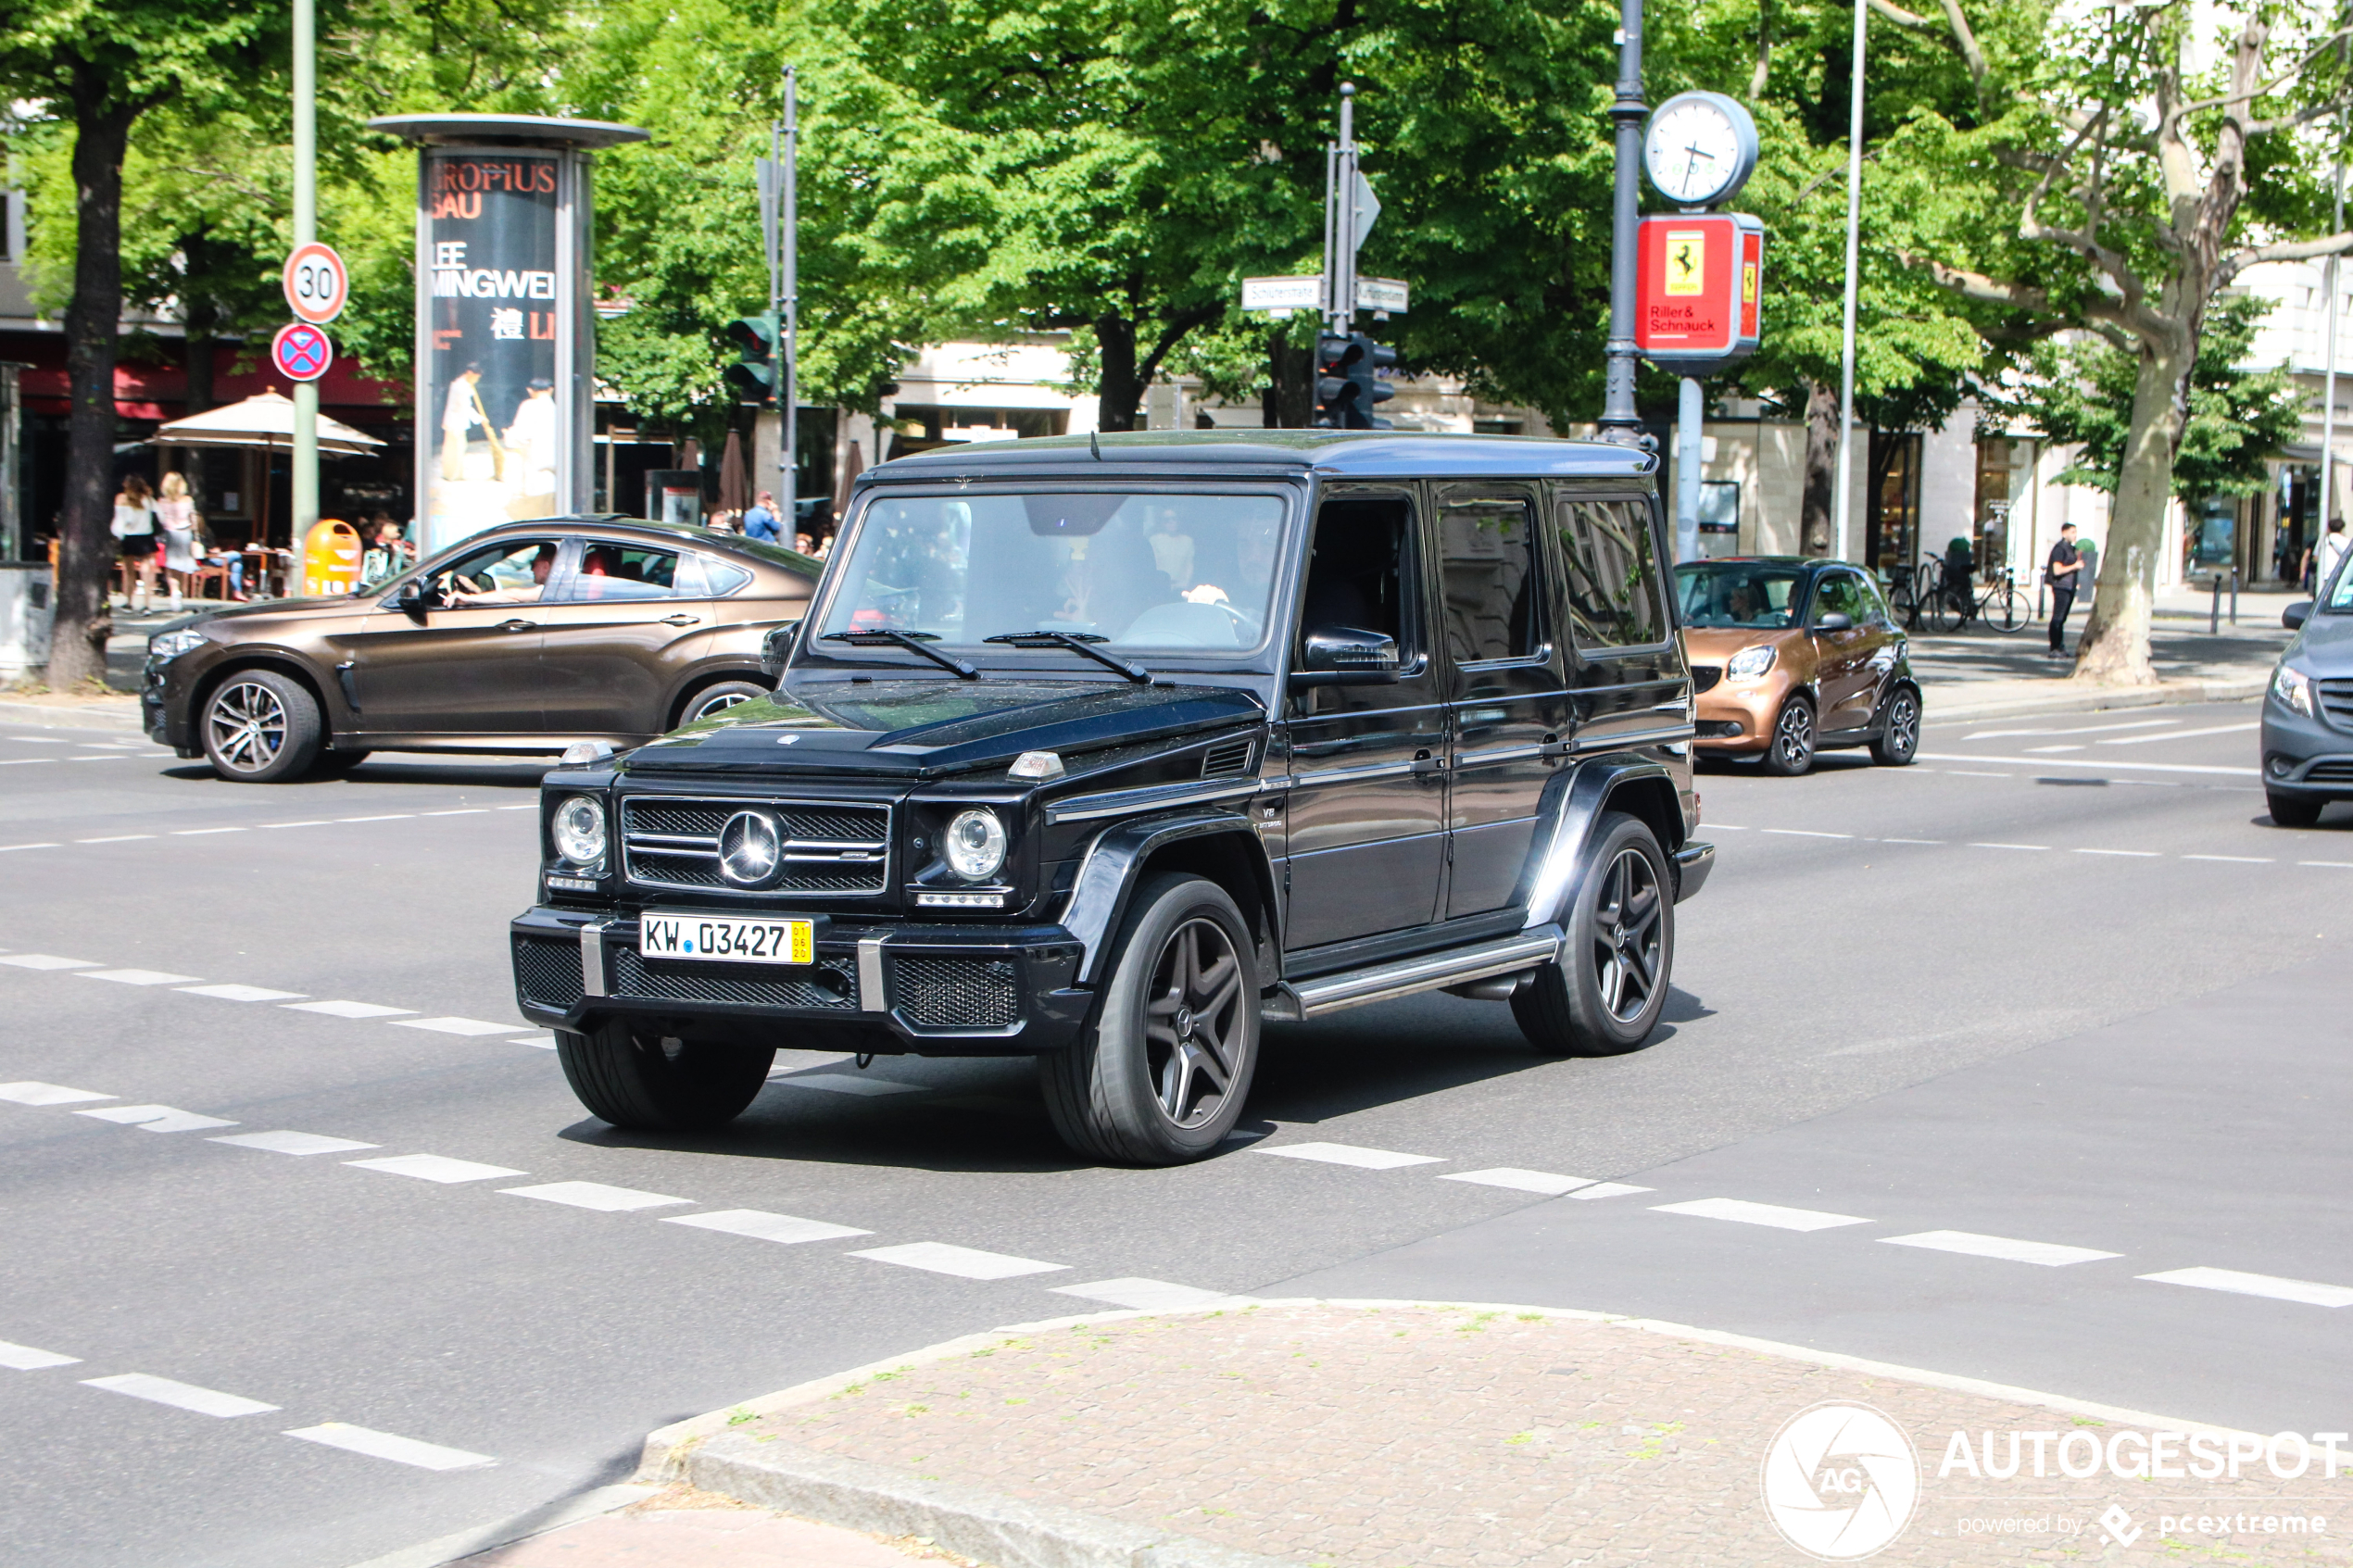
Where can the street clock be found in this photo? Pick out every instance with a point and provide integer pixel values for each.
(1700, 149)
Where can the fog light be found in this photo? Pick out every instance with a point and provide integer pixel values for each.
(2281, 767)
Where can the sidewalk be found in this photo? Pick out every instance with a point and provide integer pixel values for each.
(1379, 1434)
(1980, 674)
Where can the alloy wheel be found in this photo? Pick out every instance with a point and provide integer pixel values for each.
(1626, 933)
(1903, 726)
(1193, 1032)
(248, 725)
(1794, 735)
(718, 704)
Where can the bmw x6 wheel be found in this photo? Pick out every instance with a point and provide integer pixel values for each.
(259, 727)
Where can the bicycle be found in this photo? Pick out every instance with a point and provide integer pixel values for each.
(1904, 597)
(1953, 603)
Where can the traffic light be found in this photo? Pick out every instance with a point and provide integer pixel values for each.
(1346, 385)
(757, 370)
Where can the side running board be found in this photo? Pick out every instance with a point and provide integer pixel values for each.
(1329, 993)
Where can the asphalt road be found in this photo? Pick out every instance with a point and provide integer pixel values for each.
(2060, 985)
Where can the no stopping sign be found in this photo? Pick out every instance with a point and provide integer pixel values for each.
(301, 352)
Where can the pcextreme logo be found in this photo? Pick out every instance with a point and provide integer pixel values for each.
(1840, 1481)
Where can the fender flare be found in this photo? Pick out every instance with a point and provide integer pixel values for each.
(1107, 875)
(1574, 804)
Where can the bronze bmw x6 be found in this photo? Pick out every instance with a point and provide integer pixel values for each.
(526, 638)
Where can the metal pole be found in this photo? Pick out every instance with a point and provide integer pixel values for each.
(1841, 504)
(305, 483)
(1619, 421)
(789, 384)
(2328, 394)
(2214, 609)
(1340, 275)
(1331, 231)
(1690, 444)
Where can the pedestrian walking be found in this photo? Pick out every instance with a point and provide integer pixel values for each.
(2064, 572)
(176, 522)
(2320, 561)
(760, 522)
(134, 531)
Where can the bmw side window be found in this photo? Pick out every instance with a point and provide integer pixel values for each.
(1609, 561)
(705, 577)
(1487, 545)
(613, 573)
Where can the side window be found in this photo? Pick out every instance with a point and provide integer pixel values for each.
(1874, 606)
(612, 573)
(1486, 545)
(511, 571)
(717, 578)
(1610, 562)
(1838, 593)
(1356, 572)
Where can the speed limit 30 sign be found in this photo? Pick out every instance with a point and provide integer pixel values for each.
(317, 286)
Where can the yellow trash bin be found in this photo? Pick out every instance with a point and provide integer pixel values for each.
(330, 559)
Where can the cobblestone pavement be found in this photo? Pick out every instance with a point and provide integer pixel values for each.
(1381, 1436)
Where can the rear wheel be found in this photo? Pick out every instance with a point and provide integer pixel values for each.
(1899, 730)
(1602, 995)
(719, 699)
(653, 1082)
(1161, 1077)
(260, 727)
(1944, 609)
(1790, 751)
(2293, 811)
(2006, 609)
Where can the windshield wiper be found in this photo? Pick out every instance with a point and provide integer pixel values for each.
(1078, 643)
(914, 642)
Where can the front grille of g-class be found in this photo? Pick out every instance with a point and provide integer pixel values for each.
(831, 850)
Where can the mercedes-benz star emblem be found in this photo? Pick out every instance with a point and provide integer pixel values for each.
(748, 848)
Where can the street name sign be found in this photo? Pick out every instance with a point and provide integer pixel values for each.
(317, 285)
(301, 352)
(1307, 294)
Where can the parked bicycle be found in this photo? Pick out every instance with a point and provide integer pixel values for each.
(1904, 595)
(1955, 601)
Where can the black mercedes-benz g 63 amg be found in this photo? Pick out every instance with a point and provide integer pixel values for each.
(1103, 749)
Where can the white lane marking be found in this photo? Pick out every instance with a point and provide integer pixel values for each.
(24, 1357)
(47, 960)
(347, 1010)
(2136, 854)
(22, 762)
(387, 816)
(5, 847)
(1748, 1213)
(2081, 762)
(1608, 1189)
(1974, 846)
(2080, 730)
(117, 838)
(545, 1042)
(533, 806)
(1348, 1154)
(314, 823)
(1809, 833)
(157, 1118)
(1911, 841)
(459, 1027)
(2239, 1284)
(458, 812)
(595, 1195)
(30, 1092)
(35, 740)
(762, 1226)
(2039, 749)
(1144, 1294)
(965, 1263)
(294, 1142)
(1521, 1181)
(1728, 827)
(843, 1083)
(2187, 735)
(2047, 1253)
(435, 1168)
(136, 976)
(102, 757)
(199, 833)
(2233, 859)
(2332, 865)
(384, 1445)
(186, 1396)
(240, 993)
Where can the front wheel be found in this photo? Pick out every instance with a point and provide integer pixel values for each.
(1602, 995)
(2006, 610)
(1944, 613)
(2293, 811)
(1899, 730)
(1791, 750)
(1160, 1076)
(659, 1083)
(260, 727)
(718, 699)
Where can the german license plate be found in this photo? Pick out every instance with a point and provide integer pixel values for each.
(727, 939)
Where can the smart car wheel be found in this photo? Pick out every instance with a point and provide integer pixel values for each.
(634, 1078)
(260, 727)
(718, 699)
(2293, 811)
(1899, 730)
(1791, 750)
(1602, 995)
(1161, 1077)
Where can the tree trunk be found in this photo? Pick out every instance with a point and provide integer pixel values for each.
(77, 651)
(1119, 390)
(2115, 646)
(1816, 516)
(1289, 402)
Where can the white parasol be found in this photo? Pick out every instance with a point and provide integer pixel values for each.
(264, 421)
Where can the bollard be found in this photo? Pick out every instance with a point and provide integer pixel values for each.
(2234, 596)
(2214, 611)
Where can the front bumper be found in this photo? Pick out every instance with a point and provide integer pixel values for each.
(1738, 716)
(888, 988)
(1693, 862)
(2305, 756)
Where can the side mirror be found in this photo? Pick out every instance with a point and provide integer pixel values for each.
(414, 597)
(2296, 615)
(776, 649)
(1836, 620)
(1347, 656)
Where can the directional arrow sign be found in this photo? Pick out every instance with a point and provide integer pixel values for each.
(1367, 208)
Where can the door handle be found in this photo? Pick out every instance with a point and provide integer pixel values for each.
(517, 625)
(1425, 764)
(682, 620)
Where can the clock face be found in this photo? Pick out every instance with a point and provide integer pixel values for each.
(1694, 151)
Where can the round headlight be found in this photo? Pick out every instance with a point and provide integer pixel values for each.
(580, 831)
(976, 844)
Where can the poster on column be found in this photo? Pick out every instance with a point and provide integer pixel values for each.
(494, 299)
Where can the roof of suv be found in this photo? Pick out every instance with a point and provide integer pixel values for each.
(1366, 454)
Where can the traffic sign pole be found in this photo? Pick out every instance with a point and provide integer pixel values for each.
(305, 478)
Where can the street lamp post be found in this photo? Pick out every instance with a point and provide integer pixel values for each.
(1619, 421)
(1841, 504)
(304, 480)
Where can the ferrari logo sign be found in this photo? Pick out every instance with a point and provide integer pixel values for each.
(1702, 277)
(1686, 262)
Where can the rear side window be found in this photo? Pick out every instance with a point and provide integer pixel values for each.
(610, 572)
(708, 577)
(1610, 562)
(1487, 540)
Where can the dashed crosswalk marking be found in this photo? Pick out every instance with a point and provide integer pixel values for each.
(1522, 1181)
(762, 1226)
(117, 838)
(843, 1083)
(24, 1357)
(595, 1195)
(240, 993)
(2232, 1280)
(347, 1010)
(199, 833)
(136, 976)
(1348, 1154)
(46, 961)
(2035, 846)
(2233, 859)
(182, 1396)
(1143, 1294)
(2048, 1254)
(31, 1093)
(459, 1027)
(1744, 1212)
(157, 1118)
(1608, 1189)
(435, 1168)
(294, 1142)
(2129, 854)
(384, 1445)
(965, 1263)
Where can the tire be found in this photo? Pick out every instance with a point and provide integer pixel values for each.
(653, 1084)
(260, 727)
(718, 699)
(2006, 610)
(1161, 1075)
(2293, 811)
(1944, 615)
(1604, 995)
(1898, 740)
(1790, 751)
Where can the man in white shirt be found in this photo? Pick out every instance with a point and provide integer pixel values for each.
(534, 436)
(458, 417)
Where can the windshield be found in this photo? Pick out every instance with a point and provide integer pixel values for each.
(2340, 602)
(1143, 570)
(1726, 594)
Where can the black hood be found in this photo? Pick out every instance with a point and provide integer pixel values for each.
(924, 729)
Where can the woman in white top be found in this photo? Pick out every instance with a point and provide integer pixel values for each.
(176, 521)
(134, 531)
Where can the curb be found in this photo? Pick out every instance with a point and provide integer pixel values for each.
(507, 1531)
(2182, 693)
(1009, 1533)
